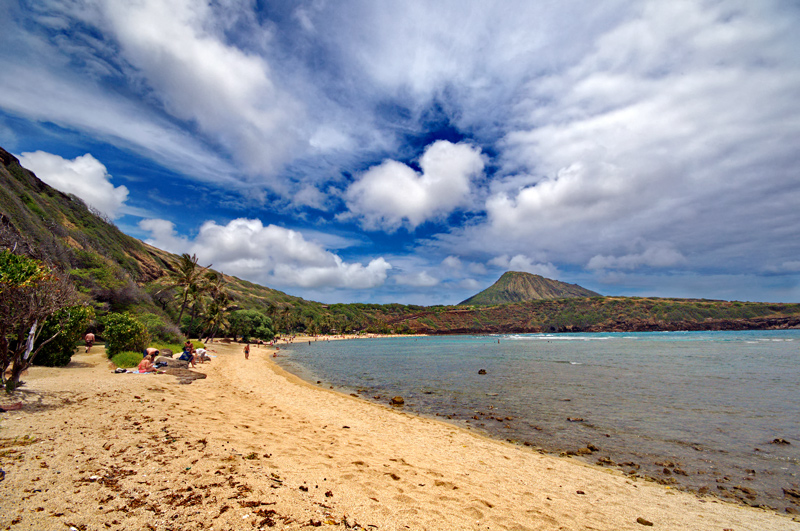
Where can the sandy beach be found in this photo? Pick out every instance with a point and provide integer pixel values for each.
(252, 447)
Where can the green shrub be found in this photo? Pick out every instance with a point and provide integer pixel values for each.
(127, 359)
(159, 329)
(124, 332)
(58, 352)
(176, 348)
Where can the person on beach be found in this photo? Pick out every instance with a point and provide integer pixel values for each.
(188, 354)
(247, 351)
(89, 340)
(202, 355)
(150, 351)
(146, 365)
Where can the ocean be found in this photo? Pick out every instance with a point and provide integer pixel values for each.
(711, 412)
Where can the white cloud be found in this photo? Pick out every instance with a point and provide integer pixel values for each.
(525, 264)
(84, 176)
(393, 194)
(310, 196)
(419, 279)
(469, 283)
(656, 255)
(268, 254)
(179, 49)
(678, 123)
(789, 266)
(452, 262)
(163, 236)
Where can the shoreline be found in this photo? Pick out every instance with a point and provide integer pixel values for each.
(253, 445)
(693, 464)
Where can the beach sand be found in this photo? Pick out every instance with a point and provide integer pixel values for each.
(252, 447)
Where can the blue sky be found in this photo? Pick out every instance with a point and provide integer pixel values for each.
(369, 151)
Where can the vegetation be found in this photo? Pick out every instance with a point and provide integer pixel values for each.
(597, 314)
(67, 325)
(126, 359)
(124, 332)
(30, 293)
(251, 324)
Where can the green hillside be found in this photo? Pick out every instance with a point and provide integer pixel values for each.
(603, 314)
(515, 286)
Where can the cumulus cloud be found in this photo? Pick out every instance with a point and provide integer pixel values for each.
(393, 194)
(523, 263)
(657, 255)
(84, 176)
(419, 279)
(667, 125)
(453, 262)
(268, 254)
(164, 236)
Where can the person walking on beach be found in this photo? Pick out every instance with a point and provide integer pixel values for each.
(89, 340)
(247, 351)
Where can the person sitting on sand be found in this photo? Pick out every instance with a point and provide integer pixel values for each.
(89, 340)
(188, 354)
(146, 365)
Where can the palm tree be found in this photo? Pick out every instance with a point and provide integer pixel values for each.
(187, 276)
(216, 319)
(213, 283)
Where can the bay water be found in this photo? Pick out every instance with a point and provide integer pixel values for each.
(713, 412)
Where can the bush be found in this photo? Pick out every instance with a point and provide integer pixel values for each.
(127, 359)
(176, 348)
(70, 323)
(124, 332)
(160, 330)
(251, 323)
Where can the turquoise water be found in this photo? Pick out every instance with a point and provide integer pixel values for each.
(697, 409)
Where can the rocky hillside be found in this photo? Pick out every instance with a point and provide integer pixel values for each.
(515, 286)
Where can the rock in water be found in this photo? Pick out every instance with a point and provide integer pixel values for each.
(397, 401)
(482, 371)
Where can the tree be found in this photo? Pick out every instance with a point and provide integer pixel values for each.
(68, 324)
(251, 323)
(187, 277)
(30, 292)
(215, 319)
(217, 309)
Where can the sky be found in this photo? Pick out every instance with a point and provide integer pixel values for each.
(412, 152)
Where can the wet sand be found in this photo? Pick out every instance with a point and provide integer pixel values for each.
(253, 447)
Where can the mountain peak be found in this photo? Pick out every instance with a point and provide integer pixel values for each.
(517, 286)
